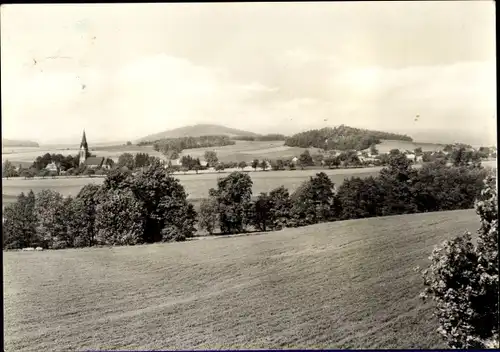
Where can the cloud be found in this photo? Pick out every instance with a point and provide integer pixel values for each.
(160, 92)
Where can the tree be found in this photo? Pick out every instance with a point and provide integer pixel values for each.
(189, 162)
(373, 150)
(141, 160)
(260, 212)
(360, 198)
(117, 179)
(207, 217)
(9, 170)
(167, 213)
(396, 182)
(278, 165)
(332, 161)
(318, 159)
(84, 210)
(418, 151)
(126, 160)
(255, 164)
(219, 167)
(233, 197)
(129, 143)
(279, 209)
(43, 173)
(448, 148)
(463, 281)
(19, 226)
(27, 173)
(119, 219)
(211, 158)
(305, 159)
(242, 165)
(263, 165)
(50, 215)
(313, 201)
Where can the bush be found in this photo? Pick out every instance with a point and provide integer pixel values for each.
(463, 281)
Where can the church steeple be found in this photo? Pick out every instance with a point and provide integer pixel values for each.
(84, 142)
(84, 149)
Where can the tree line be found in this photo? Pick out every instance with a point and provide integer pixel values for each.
(261, 138)
(127, 209)
(172, 147)
(151, 205)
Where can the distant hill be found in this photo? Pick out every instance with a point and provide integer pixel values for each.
(197, 131)
(18, 143)
(342, 138)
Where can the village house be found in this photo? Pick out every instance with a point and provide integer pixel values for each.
(95, 162)
(52, 167)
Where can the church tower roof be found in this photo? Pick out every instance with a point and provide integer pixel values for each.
(84, 142)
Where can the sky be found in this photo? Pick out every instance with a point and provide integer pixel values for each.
(123, 71)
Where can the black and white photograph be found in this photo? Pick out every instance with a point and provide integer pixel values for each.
(242, 176)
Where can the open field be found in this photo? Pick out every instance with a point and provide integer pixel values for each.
(250, 150)
(15, 155)
(241, 151)
(386, 145)
(345, 284)
(197, 186)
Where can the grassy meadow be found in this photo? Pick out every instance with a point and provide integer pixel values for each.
(340, 285)
(196, 186)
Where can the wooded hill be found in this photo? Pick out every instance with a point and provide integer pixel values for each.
(341, 138)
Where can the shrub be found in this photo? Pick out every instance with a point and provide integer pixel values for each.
(463, 281)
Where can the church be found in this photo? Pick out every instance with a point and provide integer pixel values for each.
(92, 162)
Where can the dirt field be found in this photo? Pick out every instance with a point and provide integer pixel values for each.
(339, 285)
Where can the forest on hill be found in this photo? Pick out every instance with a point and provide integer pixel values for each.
(341, 138)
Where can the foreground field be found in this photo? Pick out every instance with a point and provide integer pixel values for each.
(197, 186)
(340, 285)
